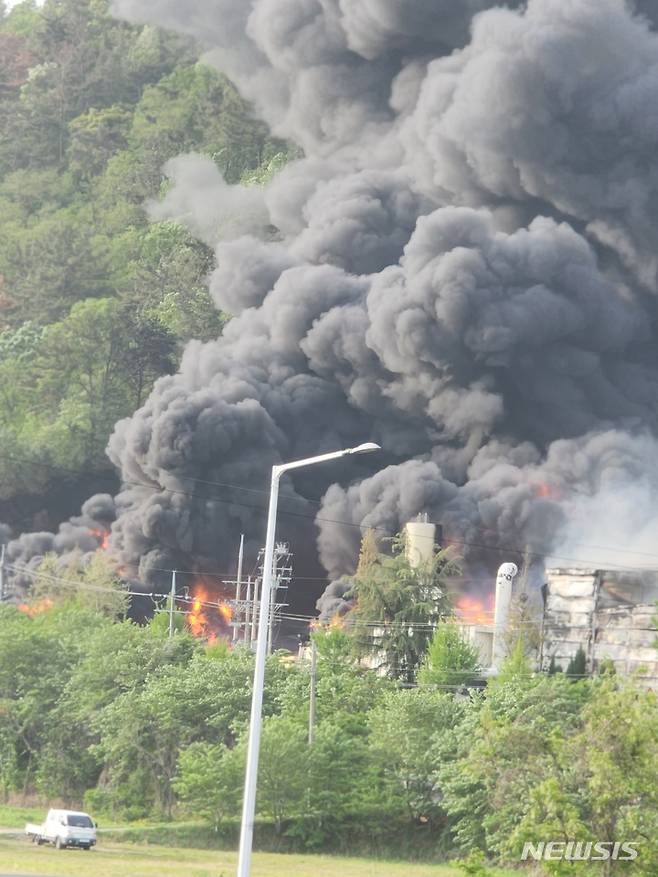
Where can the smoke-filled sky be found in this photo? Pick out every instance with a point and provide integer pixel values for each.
(464, 269)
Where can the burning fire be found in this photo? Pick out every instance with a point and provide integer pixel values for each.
(33, 609)
(196, 617)
(226, 612)
(544, 490)
(208, 617)
(337, 622)
(103, 537)
(474, 611)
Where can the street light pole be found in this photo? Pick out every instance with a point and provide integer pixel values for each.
(255, 721)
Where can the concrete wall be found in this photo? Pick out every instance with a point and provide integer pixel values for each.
(480, 636)
(577, 614)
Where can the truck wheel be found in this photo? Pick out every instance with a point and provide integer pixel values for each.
(38, 841)
(59, 844)
(87, 848)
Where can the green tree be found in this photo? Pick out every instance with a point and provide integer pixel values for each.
(91, 583)
(506, 750)
(117, 660)
(554, 667)
(577, 666)
(21, 19)
(39, 649)
(401, 730)
(167, 280)
(604, 782)
(397, 607)
(516, 668)
(59, 404)
(142, 733)
(209, 781)
(94, 137)
(283, 772)
(341, 781)
(88, 59)
(196, 107)
(52, 263)
(334, 649)
(450, 659)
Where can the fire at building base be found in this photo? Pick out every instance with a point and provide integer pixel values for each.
(608, 615)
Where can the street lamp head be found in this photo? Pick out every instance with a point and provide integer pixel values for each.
(366, 448)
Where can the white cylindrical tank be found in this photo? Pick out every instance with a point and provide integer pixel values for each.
(504, 580)
(420, 536)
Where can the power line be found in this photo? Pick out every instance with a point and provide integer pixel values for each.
(374, 623)
(87, 586)
(542, 555)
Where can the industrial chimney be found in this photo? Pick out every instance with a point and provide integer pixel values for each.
(420, 535)
(504, 580)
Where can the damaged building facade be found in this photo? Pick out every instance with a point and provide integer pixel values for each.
(609, 614)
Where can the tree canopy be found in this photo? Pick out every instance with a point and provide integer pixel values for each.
(95, 300)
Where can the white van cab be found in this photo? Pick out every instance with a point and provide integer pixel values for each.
(64, 828)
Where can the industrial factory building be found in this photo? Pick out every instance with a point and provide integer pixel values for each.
(610, 615)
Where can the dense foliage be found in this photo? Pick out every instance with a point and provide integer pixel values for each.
(398, 604)
(137, 724)
(96, 301)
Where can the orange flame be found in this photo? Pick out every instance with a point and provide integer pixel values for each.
(33, 609)
(474, 611)
(226, 612)
(544, 490)
(337, 622)
(208, 617)
(196, 617)
(103, 537)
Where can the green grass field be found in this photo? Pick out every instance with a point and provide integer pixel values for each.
(16, 817)
(18, 856)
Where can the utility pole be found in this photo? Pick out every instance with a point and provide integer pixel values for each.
(254, 613)
(282, 574)
(275, 585)
(172, 602)
(2, 574)
(238, 583)
(247, 615)
(311, 709)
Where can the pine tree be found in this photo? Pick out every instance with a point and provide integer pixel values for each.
(398, 605)
(577, 667)
(554, 667)
(368, 553)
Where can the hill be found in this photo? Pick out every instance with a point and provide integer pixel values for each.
(96, 301)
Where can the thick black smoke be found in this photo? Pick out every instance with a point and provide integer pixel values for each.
(462, 267)
(80, 536)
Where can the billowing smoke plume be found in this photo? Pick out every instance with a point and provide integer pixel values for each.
(80, 536)
(335, 601)
(462, 267)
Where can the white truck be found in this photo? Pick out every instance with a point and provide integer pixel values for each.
(64, 828)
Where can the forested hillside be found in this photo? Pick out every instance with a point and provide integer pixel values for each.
(95, 300)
